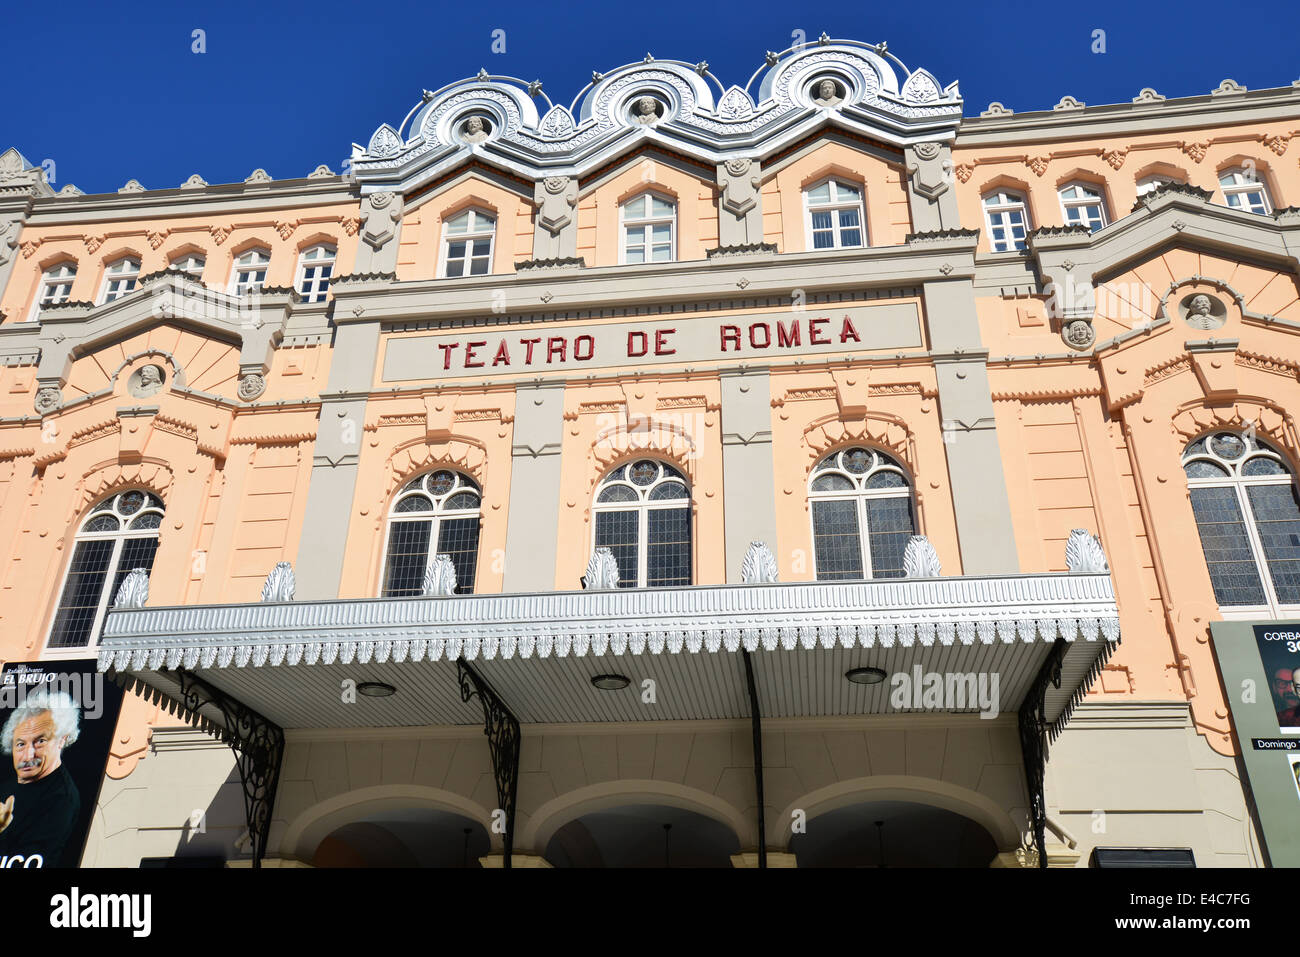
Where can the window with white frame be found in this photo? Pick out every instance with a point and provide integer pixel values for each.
(434, 514)
(118, 536)
(56, 287)
(120, 278)
(834, 215)
(315, 266)
(1082, 205)
(467, 244)
(1244, 499)
(249, 273)
(649, 229)
(1149, 184)
(642, 513)
(1007, 219)
(191, 264)
(1243, 189)
(861, 504)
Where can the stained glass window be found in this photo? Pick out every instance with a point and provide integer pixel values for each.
(434, 514)
(861, 503)
(643, 515)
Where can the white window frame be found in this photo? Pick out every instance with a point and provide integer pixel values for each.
(834, 206)
(189, 258)
(1007, 202)
(119, 537)
(311, 285)
(860, 495)
(418, 486)
(1148, 184)
(643, 507)
(237, 286)
(1239, 483)
(648, 220)
(473, 231)
(124, 271)
(1241, 184)
(53, 279)
(1097, 198)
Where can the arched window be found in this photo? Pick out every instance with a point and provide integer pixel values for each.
(120, 534)
(249, 273)
(467, 244)
(1007, 220)
(1243, 189)
(643, 515)
(120, 278)
(649, 229)
(434, 514)
(314, 268)
(1082, 205)
(861, 503)
(56, 286)
(191, 264)
(1149, 184)
(1248, 517)
(834, 217)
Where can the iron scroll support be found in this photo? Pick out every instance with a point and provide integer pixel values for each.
(756, 723)
(259, 749)
(502, 730)
(1033, 743)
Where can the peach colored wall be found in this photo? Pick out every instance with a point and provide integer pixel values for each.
(1195, 157)
(420, 252)
(157, 242)
(885, 196)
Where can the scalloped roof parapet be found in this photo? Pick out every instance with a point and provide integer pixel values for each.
(877, 96)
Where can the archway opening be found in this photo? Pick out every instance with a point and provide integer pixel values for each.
(893, 834)
(642, 835)
(414, 836)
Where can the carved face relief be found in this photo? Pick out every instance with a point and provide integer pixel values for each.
(475, 130)
(828, 92)
(145, 381)
(647, 110)
(1078, 334)
(1202, 311)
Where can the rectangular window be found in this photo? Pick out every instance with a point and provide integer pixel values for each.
(839, 543)
(668, 555)
(458, 540)
(408, 556)
(617, 531)
(1227, 548)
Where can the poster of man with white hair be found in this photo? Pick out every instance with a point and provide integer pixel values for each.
(56, 727)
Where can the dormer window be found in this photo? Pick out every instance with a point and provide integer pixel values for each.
(1082, 205)
(120, 278)
(1242, 189)
(649, 229)
(834, 215)
(467, 244)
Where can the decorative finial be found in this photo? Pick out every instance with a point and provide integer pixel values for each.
(882, 47)
(1083, 553)
(759, 566)
(649, 57)
(597, 76)
(772, 57)
(482, 75)
(823, 39)
(440, 577)
(426, 95)
(602, 571)
(280, 584)
(920, 560)
(134, 590)
(702, 67)
(535, 88)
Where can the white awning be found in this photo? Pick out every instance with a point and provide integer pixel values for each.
(287, 659)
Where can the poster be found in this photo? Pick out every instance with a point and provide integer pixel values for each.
(57, 720)
(1279, 650)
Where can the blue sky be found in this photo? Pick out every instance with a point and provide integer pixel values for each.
(111, 92)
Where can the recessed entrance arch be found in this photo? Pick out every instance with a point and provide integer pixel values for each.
(893, 834)
(642, 835)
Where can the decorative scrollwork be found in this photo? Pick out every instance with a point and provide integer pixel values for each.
(1033, 743)
(259, 748)
(502, 730)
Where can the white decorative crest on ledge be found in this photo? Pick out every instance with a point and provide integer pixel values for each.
(759, 566)
(280, 584)
(1083, 553)
(440, 577)
(602, 571)
(134, 590)
(920, 560)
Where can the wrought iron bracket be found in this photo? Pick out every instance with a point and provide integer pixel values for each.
(502, 730)
(756, 726)
(259, 750)
(1034, 729)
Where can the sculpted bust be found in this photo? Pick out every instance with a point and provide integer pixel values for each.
(647, 110)
(1200, 313)
(146, 382)
(475, 130)
(827, 93)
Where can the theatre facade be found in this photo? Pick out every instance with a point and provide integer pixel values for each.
(805, 472)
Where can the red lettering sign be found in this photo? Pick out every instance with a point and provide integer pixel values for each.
(814, 332)
(641, 344)
(469, 355)
(581, 344)
(503, 355)
(528, 344)
(554, 345)
(661, 342)
(847, 332)
(446, 348)
(754, 339)
(786, 337)
(730, 334)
